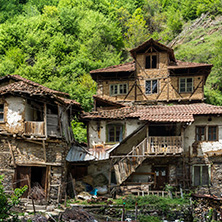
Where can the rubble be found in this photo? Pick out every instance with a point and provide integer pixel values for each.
(77, 215)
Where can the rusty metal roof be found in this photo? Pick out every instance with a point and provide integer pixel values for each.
(78, 154)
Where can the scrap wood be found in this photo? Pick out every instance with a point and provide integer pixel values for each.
(77, 214)
(37, 192)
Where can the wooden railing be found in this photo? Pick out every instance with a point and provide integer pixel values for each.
(164, 145)
(128, 164)
(34, 128)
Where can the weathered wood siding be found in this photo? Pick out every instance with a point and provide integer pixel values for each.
(34, 128)
(53, 128)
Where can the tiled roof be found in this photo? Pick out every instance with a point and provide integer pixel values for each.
(24, 86)
(180, 64)
(108, 99)
(46, 89)
(130, 67)
(126, 67)
(158, 113)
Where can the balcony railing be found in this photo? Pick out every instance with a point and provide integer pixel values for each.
(34, 128)
(165, 145)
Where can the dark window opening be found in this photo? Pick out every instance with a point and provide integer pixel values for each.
(1, 112)
(151, 62)
(52, 109)
(164, 130)
(38, 176)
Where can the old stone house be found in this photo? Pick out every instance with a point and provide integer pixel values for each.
(35, 135)
(150, 125)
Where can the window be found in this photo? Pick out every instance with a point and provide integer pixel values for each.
(212, 133)
(118, 89)
(151, 62)
(114, 132)
(201, 175)
(186, 85)
(200, 133)
(1, 112)
(151, 86)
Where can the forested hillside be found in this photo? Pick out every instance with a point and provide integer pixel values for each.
(57, 42)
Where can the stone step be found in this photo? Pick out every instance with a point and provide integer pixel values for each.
(37, 207)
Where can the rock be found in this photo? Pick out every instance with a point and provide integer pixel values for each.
(50, 208)
(88, 179)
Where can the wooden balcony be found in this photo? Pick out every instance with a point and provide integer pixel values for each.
(164, 145)
(35, 128)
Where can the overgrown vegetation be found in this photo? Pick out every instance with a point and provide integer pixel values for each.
(8, 201)
(57, 42)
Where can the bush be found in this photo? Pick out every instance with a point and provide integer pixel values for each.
(8, 201)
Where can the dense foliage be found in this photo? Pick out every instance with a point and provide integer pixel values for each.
(57, 42)
(8, 201)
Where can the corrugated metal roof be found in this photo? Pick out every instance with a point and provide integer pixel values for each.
(77, 154)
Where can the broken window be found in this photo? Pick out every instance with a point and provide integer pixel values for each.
(151, 62)
(200, 133)
(151, 86)
(212, 133)
(201, 175)
(1, 112)
(114, 132)
(118, 89)
(186, 85)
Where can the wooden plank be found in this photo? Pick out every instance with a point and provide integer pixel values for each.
(44, 149)
(45, 119)
(12, 154)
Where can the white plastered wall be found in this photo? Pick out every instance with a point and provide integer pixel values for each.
(99, 136)
(15, 112)
(205, 147)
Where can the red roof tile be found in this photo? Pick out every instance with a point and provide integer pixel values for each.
(158, 113)
(180, 64)
(126, 67)
(23, 85)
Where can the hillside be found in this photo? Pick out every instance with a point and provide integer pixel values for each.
(201, 41)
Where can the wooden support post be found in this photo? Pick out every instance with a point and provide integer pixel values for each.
(45, 119)
(44, 150)
(12, 154)
(73, 186)
(49, 181)
(110, 172)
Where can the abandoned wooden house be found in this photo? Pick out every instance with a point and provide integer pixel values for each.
(35, 135)
(150, 125)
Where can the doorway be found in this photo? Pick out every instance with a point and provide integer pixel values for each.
(161, 176)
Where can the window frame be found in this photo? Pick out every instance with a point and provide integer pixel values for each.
(3, 113)
(151, 55)
(114, 125)
(216, 132)
(151, 81)
(185, 78)
(205, 132)
(117, 86)
(201, 174)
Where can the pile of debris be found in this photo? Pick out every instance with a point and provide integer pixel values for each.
(37, 192)
(77, 214)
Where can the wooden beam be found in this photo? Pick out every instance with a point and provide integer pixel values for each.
(12, 154)
(196, 88)
(44, 150)
(45, 119)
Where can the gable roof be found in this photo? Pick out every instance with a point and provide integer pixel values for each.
(126, 67)
(25, 86)
(158, 113)
(43, 88)
(183, 65)
(151, 42)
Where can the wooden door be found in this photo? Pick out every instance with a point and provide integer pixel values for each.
(23, 178)
(161, 176)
